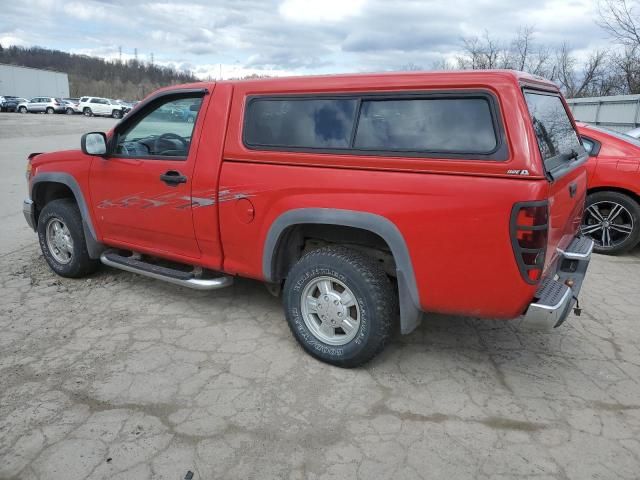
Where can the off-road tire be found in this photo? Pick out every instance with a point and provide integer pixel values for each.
(373, 291)
(632, 207)
(68, 212)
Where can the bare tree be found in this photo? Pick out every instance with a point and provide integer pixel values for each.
(621, 20)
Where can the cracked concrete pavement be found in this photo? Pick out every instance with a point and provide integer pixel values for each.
(122, 377)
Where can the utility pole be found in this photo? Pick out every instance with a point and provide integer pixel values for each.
(120, 53)
(152, 59)
(135, 54)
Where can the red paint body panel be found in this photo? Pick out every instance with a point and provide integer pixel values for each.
(453, 214)
(617, 164)
(453, 243)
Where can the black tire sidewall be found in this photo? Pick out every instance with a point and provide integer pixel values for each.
(632, 206)
(364, 343)
(69, 214)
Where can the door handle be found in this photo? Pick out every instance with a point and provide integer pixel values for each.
(573, 189)
(173, 178)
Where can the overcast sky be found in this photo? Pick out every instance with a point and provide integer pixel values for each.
(290, 36)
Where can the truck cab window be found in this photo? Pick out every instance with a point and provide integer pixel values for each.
(163, 131)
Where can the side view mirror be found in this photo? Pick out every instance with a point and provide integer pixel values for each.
(94, 143)
(195, 107)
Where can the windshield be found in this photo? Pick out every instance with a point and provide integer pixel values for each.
(557, 139)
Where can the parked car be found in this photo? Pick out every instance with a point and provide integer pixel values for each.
(71, 105)
(42, 105)
(127, 106)
(98, 106)
(10, 103)
(612, 211)
(383, 194)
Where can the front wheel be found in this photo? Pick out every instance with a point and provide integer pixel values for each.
(62, 239)
(340, 306)
(69, 111)
(22, 109)
(612, 220)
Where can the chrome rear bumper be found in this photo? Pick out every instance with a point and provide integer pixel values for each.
(558, 292)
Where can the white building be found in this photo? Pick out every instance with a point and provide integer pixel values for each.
(32, 82)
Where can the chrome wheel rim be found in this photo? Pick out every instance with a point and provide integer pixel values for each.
(59, 241)
(330, 311)
(609, 224)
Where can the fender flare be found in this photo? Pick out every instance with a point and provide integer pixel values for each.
(410, 312)
(94, 247)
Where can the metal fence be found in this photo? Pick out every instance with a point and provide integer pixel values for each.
(618, 112)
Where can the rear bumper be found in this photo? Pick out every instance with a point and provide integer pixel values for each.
(559, 290)
(29, 213)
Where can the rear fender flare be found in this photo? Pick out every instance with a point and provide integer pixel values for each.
(410, 312)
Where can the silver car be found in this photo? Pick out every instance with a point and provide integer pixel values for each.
(43, 105)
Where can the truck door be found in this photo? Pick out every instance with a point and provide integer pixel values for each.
(141, 191)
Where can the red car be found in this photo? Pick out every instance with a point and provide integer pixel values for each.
(360, 196)
(612, 211)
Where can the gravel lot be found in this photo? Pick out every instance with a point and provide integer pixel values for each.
(118, 376)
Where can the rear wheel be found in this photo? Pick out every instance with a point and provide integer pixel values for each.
(87, 112)
(50, 111)
(62, 239)
(69, 111)
(340, 305)
(116, 114)
(612, 220)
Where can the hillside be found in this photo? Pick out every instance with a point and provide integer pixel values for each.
(130, 80)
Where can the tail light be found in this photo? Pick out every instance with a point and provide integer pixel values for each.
(529, 227)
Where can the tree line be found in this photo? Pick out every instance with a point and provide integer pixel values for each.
(131, 79)
(603, 72)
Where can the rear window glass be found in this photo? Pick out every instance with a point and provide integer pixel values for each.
(557, 139)
(451, 125)
(300, 123)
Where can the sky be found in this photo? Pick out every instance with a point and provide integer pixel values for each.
(233, 38)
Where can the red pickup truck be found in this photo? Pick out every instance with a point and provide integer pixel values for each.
(367, 199)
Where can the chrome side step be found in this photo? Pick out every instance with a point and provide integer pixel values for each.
(135, 264)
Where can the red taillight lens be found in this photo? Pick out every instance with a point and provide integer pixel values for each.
(529, 228)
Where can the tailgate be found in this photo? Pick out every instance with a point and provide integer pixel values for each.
(564, 160)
